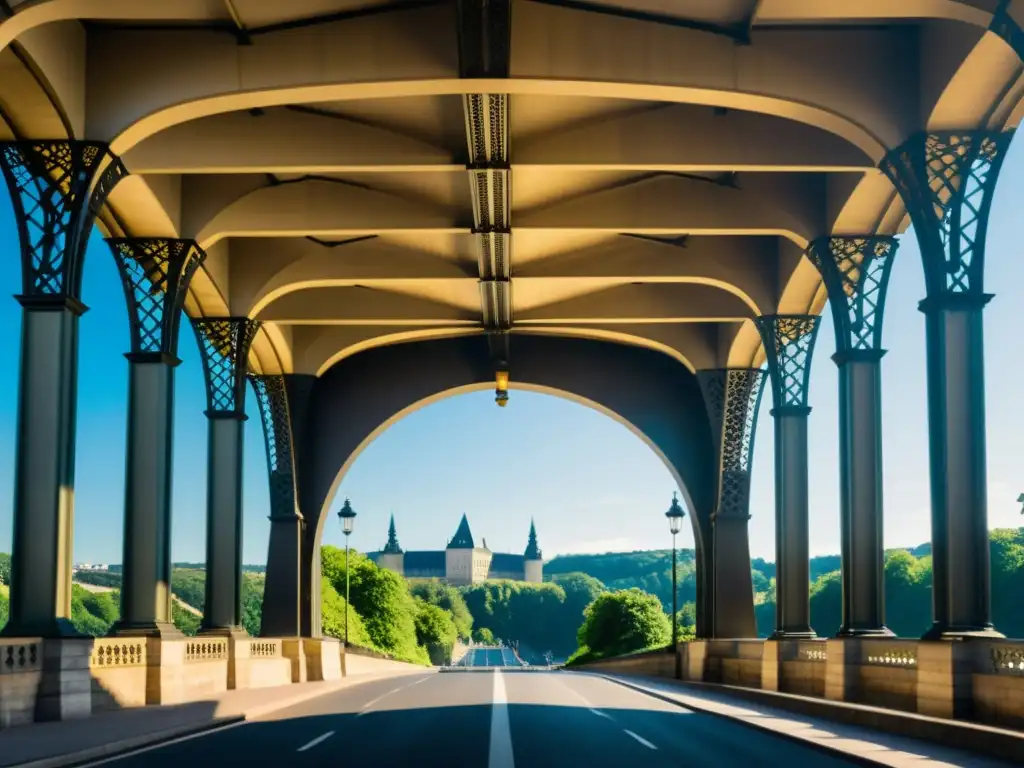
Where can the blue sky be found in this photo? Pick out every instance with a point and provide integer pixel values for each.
(590, 484)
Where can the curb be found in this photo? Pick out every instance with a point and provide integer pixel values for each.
(824, 748)
(126, 746)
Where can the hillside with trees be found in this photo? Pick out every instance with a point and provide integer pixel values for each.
(420, 620)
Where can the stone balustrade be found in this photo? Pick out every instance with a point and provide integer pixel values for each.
(979, 679)
(56, 679)
(21, 662)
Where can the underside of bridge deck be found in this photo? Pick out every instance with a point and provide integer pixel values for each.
(505, 190)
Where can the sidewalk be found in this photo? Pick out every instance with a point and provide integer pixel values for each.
(49, 745)
(858, 743)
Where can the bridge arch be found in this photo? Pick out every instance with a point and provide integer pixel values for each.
(650, 393)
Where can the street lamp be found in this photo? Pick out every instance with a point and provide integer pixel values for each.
(675, 517)
(347, 515)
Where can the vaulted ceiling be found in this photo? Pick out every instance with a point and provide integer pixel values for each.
(364, 173)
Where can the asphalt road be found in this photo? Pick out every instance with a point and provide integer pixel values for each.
(484, 720)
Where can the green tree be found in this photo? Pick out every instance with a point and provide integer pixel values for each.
(105, 606)
(83, 620)
(5, 568)
(333, 608)
(4, 605)
(435, 631)
(252, 602)
(450, 599)
(483, 635)
(624, 621)
(187, 622)
(189, 585)
(381, 598)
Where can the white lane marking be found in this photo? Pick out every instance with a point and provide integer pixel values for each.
(500, 754)
(315, 741)
(367, 705)
(641, 739)
(585, 701)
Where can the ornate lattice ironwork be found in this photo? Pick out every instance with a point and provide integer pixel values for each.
(732, 398)
(50, 184)
(155, 274)
(272, 400)
(789, 344)
(855, 270)
(946, 181)
(224, 347)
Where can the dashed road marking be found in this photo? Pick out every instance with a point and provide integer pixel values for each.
(315, 741)
(367, 705)
(641, 739)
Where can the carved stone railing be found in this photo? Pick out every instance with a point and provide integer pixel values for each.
(1008, 659)
(117, 653)
(265, 649)
(811, 651)
(890, 655)
(20, 656)
(212, 649)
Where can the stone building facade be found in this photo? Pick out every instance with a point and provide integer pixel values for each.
(462, 562)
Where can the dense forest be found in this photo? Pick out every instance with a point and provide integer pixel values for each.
(417, 620)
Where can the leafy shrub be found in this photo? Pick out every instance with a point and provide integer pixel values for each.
(447, 597)
(624, 621)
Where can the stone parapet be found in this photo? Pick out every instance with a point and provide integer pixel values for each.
(21, 668)
(258, 663)
(980, 678)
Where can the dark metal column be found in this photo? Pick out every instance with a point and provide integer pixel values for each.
(732, 397)
(947, 181)
(224, 344)
(56, 187)
(282, 606)
(789, 344)
(156, 274)
(856, 271)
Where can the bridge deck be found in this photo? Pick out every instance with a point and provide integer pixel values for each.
(509, 719)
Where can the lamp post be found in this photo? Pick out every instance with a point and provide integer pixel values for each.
(347, 515)
(675, 517)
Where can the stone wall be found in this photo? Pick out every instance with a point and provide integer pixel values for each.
(981, 680)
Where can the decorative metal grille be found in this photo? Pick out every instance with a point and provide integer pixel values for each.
(946, 181)
(732, 398)
(789, 344)
(224, 347)
(272, 400)
(856, 272)
(155, 274)
(49, 182)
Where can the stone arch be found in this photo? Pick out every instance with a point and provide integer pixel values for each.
(649, 392)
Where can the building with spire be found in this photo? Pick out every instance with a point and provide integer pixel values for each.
(462, 561)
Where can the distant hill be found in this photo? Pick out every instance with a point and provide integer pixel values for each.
(116, 568)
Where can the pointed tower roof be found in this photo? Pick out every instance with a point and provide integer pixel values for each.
(532, 549)
(392, 548)
(463, 539)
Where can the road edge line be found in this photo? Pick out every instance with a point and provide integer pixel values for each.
(126, 747)
(820, 747)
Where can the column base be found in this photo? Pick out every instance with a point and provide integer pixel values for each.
(952, 632)
(235, 633)
(882, 631)
(146, 629)
(54, 629)
(793, 634)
